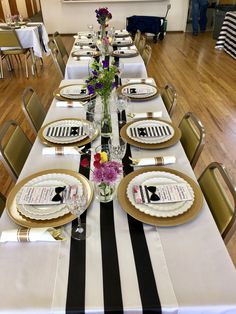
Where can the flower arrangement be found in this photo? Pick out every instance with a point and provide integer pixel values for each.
(103, 16)
(102, 78)
(105, 174)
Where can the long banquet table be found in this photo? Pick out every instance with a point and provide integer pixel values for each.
(124, 266)
(79, 69)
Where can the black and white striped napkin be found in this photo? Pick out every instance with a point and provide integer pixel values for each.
(150, 131)
(65, 131)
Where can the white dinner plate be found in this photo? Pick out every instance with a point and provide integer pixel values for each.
(76, 91)
(159, 210)
(64, 140)
(150, 125)
(139, 91)
(46, 212)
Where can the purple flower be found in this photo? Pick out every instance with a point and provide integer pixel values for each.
(99, 85)
(95, 73)
(91, 89)
(110, 175)
(98, 175)
(114, 85)
(105, 64)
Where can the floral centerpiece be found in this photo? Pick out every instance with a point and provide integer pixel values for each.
(103, 16)
(102, 82)
(105, 174)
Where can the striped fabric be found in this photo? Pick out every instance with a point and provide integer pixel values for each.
(152, 131)
(227, 37)
(65, 131)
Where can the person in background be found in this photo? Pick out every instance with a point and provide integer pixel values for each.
(199, 15)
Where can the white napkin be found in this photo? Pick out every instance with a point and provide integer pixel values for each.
(69, 104)
(153, 161)
(66, 150)
(125, 51)
(137, 115)
(31, 235)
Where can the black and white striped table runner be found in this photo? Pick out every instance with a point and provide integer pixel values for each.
(227, 37)
(112, 288)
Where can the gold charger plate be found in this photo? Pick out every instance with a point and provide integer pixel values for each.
(119, 91)
(190, 214)
(58, 96)
(83, 142)
(175, 138)
(32, 223)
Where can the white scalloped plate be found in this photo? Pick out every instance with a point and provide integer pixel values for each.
(150, 123)
(64, 140)
(159, 210)
(45, 212)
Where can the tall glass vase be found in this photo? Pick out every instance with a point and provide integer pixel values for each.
(106, 126)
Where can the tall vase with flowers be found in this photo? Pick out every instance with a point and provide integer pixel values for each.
(102, 82)
(103, 16)
(105, 175)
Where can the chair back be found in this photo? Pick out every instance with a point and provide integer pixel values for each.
(33, 109)
(57, 58)
(2, 203)
(220, 194)
(193, 137)
(141, 44)
(146, 54)
(60, 45)
(137, 37)
(169, 97)
(9, 39)
(14, 148)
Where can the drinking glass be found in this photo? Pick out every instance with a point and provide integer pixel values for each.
(90, 128)
(77, 204)
(121, 104)
(117, 148)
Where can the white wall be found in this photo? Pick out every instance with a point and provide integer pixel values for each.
(72, 17)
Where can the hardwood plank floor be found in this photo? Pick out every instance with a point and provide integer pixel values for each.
(205, 81)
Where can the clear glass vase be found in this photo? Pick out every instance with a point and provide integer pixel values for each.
(105, 192)
(106, 125)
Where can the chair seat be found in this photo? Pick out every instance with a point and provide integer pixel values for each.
(14, 51)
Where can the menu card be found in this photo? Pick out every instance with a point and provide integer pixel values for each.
(46, 195)
(166, 193)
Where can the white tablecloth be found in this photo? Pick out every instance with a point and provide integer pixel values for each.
(191, 258)
(34, 36)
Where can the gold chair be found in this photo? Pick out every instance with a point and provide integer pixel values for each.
(220, 194)
(33, 109)
(137, 38)
(193, 137)
(57, 58)
(169, 97)
(60, 45)
(2, 203)
(146, 54)
(14, 148)
(141, 44)
(12, 46)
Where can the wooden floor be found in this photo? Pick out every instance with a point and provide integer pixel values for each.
(205, 81)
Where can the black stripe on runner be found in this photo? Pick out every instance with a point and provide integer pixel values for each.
(113, 302)
(146, 279)
(75, 302)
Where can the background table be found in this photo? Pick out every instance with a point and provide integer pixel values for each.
(191, 266)
(34, 36)
(227, 37)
